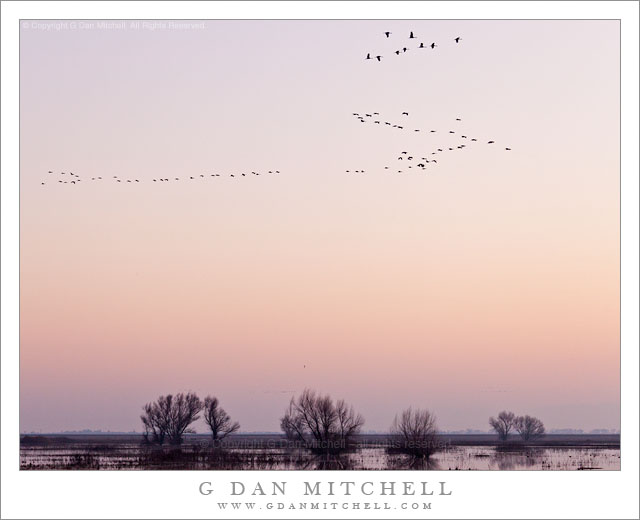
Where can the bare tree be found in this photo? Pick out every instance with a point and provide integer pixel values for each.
(169, 417)
(529, 427)
(320, 424)
(218, 420)
(156, 419)
(503, 424)
(415, 433)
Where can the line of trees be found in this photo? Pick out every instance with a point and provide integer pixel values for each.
(315, 422)
(528, 427)
(170, 417)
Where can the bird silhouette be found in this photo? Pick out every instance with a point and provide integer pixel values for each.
(398, 53)
(422, 46)
(458, 119)
(507, 148)
(367, 58)
(378, 58)
(404, 49)
(411, 35)
(405, 113)
(491, 142)
(433, 45)
(387, 34)
(457, 40)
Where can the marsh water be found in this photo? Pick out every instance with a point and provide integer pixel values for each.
(119, 454)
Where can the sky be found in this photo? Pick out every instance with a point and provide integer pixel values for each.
(488, 281)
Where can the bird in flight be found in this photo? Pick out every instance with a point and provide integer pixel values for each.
(458, 119)
(421, 46)
(491, 142)
(411, 35)
(398, 53)
(368, 58)
(457, 40)
(433, 45)
(404, 49)
(507, 148)
(405, 113)
(378, 58)
(387, 34)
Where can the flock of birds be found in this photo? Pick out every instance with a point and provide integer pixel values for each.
(423, 159)
(404, 49)
(418, 160)
(74, 178)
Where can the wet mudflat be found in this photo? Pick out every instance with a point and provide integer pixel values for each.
(272, 453)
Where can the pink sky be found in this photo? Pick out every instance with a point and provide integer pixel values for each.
(489, 283)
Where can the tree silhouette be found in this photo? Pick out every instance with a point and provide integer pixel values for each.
(529, 427)
(218, 420)
(169, 417)
(415, 433)
(319, 424)
(503, 424)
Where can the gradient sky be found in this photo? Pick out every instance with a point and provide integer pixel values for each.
(489, 283)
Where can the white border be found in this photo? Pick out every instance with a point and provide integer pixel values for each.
(175, 495)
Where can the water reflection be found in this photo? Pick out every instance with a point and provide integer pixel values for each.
(511, 459)
(132, 456)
